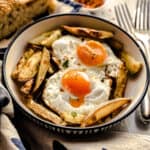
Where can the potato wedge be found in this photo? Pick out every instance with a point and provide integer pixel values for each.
(49, 40)
(27, 54)
(115, 45)
(46, 39)
(30, 68)
(121, 80)
(43, 68)
(40, 38)
(44, 112)
(105, 110)
(87, 32)
(26, 88)
(132, 65)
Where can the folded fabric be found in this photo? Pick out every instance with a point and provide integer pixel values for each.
(9, 138)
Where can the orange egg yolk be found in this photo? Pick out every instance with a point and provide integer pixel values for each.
(91, 53)
(77, 84)
(76, 102)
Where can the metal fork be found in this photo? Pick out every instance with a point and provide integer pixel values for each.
(142, 23)
(142, 26)
(125, 21)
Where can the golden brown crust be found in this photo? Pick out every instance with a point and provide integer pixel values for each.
(44, 112)
(27, 54)
(46, 39)
(16, 13)
(132, 65)
(30, 68)
(88, 32)
(26, 88)
(5, 7)
(121, 81)
(43, 68)
(51, 5)
(105, 110)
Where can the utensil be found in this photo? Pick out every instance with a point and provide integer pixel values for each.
(125, 21)
(142, 26)
(16, 48)
(58, 146)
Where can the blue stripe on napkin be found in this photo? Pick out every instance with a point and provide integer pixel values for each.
(76, 7)
(18, 143)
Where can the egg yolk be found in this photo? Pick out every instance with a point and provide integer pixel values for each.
(91, 53)
(76, 83)
(76, 102)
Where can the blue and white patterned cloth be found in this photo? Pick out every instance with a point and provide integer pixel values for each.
(9, 137)
(39, 138)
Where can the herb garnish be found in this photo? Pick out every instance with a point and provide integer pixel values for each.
(66, 64)
(74, 114)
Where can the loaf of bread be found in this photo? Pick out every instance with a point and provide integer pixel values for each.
(16, 13)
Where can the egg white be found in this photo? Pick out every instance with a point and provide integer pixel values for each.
(58, 100)
(64, 49)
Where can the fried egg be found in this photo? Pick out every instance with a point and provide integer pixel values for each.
(83, 85)
(80, 52)
(73, 93)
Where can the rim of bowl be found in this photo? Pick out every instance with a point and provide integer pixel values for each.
(42, 121)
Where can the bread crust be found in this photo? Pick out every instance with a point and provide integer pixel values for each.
(16, 13)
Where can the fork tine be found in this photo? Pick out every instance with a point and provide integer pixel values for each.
(148, 16)
(119, 16)
(145, 14)
(117, 12)
(141, 22)
(138, 13)
(127, 17)
(123, 17)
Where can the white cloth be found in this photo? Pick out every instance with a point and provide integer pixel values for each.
(38, 138)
